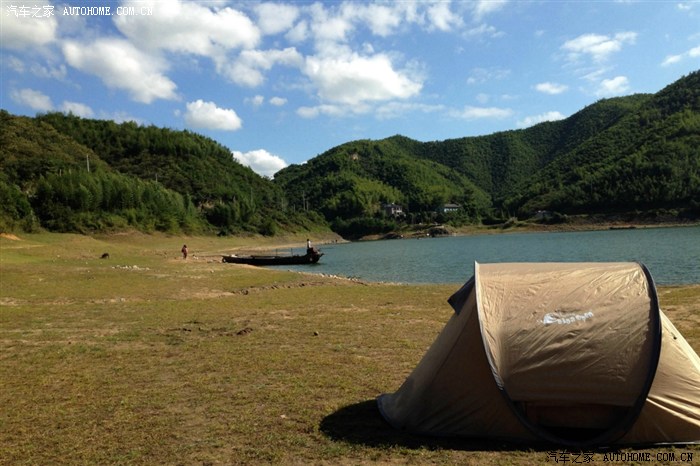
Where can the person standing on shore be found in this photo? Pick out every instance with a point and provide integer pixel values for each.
(184, 251)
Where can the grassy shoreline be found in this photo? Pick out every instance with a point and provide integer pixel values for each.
(145, 358)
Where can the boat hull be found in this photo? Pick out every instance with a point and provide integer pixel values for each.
(310, 258)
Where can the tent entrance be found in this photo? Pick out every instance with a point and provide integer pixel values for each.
(571, 422)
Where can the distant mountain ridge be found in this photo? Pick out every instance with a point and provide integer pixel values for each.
(637, 154)
(624, 154)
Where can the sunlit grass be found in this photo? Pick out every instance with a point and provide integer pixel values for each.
(145, 358)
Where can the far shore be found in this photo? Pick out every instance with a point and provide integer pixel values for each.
(526, 227)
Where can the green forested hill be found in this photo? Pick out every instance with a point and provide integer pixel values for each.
(649, 159)
(628, 154)
(66, 173)
(638, 154)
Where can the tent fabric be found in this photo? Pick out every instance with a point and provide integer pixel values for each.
(569, 353)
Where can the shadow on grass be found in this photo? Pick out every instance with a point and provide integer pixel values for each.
(362, 424)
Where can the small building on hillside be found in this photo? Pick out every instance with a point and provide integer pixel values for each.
(447, 208)
(393, 210)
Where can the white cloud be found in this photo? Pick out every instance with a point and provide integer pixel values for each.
(35, 100)
(188, 27)
(673, 59)
(612, 87)
(442, 18)
(355, 79)
(120, 65)
(382, 20)
(278, 101)
(120, 117)
(598, 47)
(261, 161)
(76, 108)
(48, 70)
(21, 33)
(535, 119)
(326, 27)
(485, 7)
(275, 18)
(15, 64)
(483, 30)
(551, 88)
(57, 72)
(247, 69)
(207, 115)
(299, 33)
(256, 101)
(40, 102)
(479, 113)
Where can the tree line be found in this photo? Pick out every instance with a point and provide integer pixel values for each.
(638, 154)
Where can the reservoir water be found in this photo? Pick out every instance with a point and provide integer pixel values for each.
(672, 255)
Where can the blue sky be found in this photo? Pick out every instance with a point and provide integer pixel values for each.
(282, 82)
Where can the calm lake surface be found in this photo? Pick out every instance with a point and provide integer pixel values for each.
(672, 255)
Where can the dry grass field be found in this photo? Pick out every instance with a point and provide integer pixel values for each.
(145, 358)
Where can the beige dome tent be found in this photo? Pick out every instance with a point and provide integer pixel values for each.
(576, 354)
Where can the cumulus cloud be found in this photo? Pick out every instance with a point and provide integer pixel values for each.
(596, 46)
(120, 65)
(248, 69)
(356, 79)
(299, 33)
(260, 161)
(275, 18)
(612, 87)
(207, 115)
(480, 113)
(325, 25)
(36, 100)
(382, 20)
(21, 33)
(535, 119)
(551, 88)
(188, 27)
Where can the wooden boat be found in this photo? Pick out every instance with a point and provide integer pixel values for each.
(311, 257)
